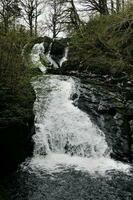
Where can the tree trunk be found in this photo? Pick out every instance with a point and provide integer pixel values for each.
(74, 16)
(6, 25)
(118, 5)
(112, 6)
(31, 28)
(123, 5)
(36, 16)
(103, 8)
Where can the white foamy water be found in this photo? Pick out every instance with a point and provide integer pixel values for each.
(36, 52)
(55, 162)
(66, 137)
(64, 59)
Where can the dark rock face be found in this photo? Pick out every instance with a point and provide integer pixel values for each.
(15, 143)
(111, 113)
(47, 41)
(56, 48)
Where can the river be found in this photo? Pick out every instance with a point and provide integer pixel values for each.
(71, 159)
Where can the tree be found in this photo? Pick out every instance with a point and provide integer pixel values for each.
(118, 6)
(56, 17)
(31, 13)
(74, 16)
(38, 12)
(9, 11)
(112, 6)
(123, 5)
(100, 6)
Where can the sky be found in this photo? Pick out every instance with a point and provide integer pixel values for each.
(43, 19)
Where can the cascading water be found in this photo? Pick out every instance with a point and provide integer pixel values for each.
(64, 58)
(65, 135)
(37, 52)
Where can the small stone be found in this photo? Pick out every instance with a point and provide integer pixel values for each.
(129, 106)
(131, 125)
(119, 119)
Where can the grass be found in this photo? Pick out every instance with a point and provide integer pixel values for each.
(105, 43)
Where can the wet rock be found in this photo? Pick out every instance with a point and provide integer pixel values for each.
(42, 151)
(74, 96)
(129, 108)
(131, 126)
(106, 107)
(119, 119)
(107, 110)
(58, 49)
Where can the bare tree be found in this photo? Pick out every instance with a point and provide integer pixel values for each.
(118, 5)
(31, 13)
(123, 5)
(9, 10)
(112, 6)
(55, 17)
(74, 16)
(100, 6)
(38, 11)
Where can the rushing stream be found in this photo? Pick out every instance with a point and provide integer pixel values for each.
(71, 157)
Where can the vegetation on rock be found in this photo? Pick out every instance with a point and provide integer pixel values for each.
(105, 44)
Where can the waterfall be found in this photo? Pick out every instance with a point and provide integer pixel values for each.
(64, 58)
(51, 61)
(65, 136)
(36, 53)
(66, 128)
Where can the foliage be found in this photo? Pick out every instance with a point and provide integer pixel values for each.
(9, 12)
(105, 43)
(17, 96)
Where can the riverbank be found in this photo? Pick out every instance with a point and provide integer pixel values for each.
(16, 103)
